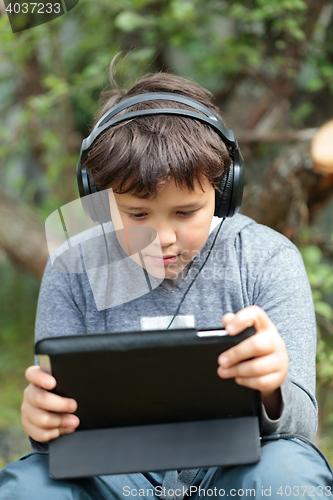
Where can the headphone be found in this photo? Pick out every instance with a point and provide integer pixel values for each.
(228, 197)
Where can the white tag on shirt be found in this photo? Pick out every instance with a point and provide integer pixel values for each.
(162, 322)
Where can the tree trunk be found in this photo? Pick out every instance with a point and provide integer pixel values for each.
(292, 192)
(22, 237)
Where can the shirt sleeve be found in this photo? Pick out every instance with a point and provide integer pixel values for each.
(283, 291)
(60, 311)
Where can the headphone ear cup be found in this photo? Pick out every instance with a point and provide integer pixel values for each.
(237, 183)
(224, 193)
(99, 205)
(229, 199)
(95, 202)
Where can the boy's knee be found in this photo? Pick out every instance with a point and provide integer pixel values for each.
(292, 458)
(24, 478)
(287, 468)
(28, 479)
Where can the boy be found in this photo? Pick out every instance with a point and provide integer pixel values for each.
(164, 172)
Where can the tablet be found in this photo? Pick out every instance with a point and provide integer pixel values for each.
(149, 401)
(134, 378)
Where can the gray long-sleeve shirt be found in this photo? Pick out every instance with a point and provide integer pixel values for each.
(249, 264)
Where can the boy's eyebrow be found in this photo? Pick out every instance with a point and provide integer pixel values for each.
(126, 207)
(190, 205)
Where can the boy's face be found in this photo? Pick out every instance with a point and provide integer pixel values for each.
(181, 219)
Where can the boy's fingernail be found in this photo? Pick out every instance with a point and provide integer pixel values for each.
(230, 328)
(72, 422)
(50, 382)
(224, 361)
(72, 406)
(227, 316)
(68, 430)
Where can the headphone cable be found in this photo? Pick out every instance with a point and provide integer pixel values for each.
(108, 278)
(195, 277)
(147, 278)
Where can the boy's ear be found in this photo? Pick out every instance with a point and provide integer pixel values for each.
(228, 197)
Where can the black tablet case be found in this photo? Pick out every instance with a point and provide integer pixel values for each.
(150, 401)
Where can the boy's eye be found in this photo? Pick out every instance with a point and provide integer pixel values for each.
(187, 213)
(141, 216)
(137, 216)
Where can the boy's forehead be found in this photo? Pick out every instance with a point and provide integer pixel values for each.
(180, 197)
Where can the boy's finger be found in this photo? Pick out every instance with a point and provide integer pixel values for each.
(257, 345)
(268, 383)
(35, 375)
(226, 318)
(257, 367)
(40, 398)
(49, 420)
(247, 317)
(40, 435)
(66, 430)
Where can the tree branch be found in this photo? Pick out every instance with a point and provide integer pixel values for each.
(251, 136)
(22, 237)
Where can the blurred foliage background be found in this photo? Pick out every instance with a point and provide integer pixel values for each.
(269, 65)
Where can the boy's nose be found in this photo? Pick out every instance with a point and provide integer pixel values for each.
(166, 234)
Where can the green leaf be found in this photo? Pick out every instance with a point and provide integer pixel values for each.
(315, 84)
(182, 11)
(129, 21)
(324, 309)
(303, 111)
(311, 255)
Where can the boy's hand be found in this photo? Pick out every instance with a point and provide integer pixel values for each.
(45, 415)
(260, 362)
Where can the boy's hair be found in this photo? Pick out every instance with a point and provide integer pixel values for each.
(139, 155)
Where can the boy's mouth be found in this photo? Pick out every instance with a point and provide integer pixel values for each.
(164, 260)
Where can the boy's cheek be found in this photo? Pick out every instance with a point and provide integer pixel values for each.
(136, 239)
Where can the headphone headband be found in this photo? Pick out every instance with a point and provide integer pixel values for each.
(108, 120)
(227, 204)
